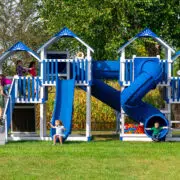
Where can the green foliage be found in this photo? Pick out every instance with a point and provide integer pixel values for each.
(106, 25)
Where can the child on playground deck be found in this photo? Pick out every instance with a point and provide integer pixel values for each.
(156, 131)
(6, 83)
(33, 72)
(59, 131)
(20, 70)
(32, 67)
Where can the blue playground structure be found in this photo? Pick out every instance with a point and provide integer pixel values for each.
(136, 76)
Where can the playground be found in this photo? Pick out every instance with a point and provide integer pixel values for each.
(94, 160)
(65, 71)
(90, 155)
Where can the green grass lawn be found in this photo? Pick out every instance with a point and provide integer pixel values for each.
(93, 160)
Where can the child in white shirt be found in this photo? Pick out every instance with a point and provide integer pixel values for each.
(59, 131)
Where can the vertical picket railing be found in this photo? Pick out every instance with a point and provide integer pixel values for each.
(80, 69)
(27, 89)
(164, 65)
(75, 68)
(175, 89)
(128, 73)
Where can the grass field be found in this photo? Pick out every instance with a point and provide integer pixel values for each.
(94, 160)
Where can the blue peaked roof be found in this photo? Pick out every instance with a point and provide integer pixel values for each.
(146, 33)
(176, 55)
(65, 32)
(19, 46)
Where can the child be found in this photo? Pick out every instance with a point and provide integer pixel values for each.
(6, 83)
(2, 95)
(32, 67)
(156, 131)
(59, 131)
(33, 73)
(20, 71)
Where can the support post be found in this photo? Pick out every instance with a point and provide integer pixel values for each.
(0, 68)
(122, 121)
(42, 120)
(88, 113)
(88, 98)
(42, 96)
(168, 57)
(122, 66)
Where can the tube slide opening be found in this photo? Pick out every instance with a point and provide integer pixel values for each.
(162, 122)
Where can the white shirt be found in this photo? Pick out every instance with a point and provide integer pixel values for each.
(60, 130)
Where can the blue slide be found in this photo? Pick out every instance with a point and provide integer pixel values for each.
(106, 94)
(148, 73)
(63, 106)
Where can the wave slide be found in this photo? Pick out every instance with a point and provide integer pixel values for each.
(63, 106)
(148, 75)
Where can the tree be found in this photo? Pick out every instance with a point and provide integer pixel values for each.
(19, 21)
(106, 25)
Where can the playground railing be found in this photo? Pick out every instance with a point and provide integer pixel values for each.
(9, 104)
(127, 75)
(80, 69)
(175, 89)
(27, 89)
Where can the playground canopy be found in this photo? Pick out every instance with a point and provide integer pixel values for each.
(19, 46)
(176, 55)
(65, 32)
(146, 33)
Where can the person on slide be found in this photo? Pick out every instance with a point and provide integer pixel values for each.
(156, 131)
(59, 131)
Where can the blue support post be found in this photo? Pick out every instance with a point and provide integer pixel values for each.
(163, 71)
(29, 91)
(56, 70)
(44, 71)
(78, 70)
(173, 89)
(178, 89)
(37, 88)
(86, 70)
(131, 70)
(52, 73)
(33, 88)
(20, 87)
(74, 68)
(82, 71)
(47, 70)
(166, 71)
(24, 88)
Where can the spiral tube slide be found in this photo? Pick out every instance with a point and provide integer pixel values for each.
(148, 75)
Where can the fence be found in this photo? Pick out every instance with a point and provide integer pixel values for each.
(27, 89)
(129, 71)
(66, 68)
(175, 89)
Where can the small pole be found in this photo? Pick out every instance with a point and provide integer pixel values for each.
(88, 98)
(42, 97)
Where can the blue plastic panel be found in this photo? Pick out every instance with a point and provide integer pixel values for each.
(106, 69)
(146, 33)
